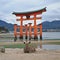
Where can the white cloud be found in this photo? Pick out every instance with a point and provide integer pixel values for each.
(8, 6)
(53, 12)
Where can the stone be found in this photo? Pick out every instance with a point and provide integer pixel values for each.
(2, 49)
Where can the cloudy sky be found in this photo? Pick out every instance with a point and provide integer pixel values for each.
(7, 7)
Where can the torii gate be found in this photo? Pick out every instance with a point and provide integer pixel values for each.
(27, 16)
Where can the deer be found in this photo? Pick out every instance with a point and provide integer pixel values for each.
(28, 49)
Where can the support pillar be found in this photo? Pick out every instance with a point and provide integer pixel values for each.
(41, 35)
(30, 32)
(41, 31)
(21, 27)
(15, 32)
(26, 27)
(35, 28)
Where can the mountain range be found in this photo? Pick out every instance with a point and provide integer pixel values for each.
(46, 25)
(8, 26)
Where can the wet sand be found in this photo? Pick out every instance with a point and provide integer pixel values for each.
(40, 54)
(18, 54)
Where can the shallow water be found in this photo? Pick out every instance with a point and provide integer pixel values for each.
(51, 47)
(51, 35)
(45, 35)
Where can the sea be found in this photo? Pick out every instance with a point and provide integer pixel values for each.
(45, 35)
(51, 35)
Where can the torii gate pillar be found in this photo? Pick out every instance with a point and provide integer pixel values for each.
(35, 27)
(21, 27)
(30, 31)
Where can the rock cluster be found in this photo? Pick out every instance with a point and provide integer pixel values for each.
(2, 49)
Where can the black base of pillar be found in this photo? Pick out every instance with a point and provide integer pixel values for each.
(21, 37)
(35, 37)
(30, 38)
(26, 37)
(15, 38)
(40, 37)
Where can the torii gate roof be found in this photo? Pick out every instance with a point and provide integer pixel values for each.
(30, 12)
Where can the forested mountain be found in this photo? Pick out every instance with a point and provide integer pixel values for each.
(46, 25)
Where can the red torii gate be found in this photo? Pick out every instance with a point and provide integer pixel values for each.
(27, 15)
